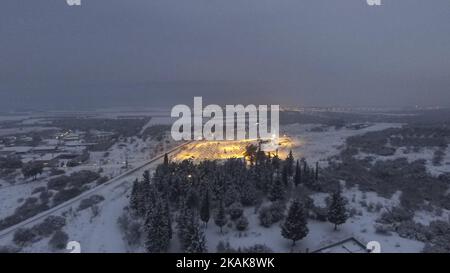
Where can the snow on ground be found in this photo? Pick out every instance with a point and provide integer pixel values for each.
(13, 195)
(320, 233)
(426, 154)
(426, 217)
(102, 234)
(317, 146)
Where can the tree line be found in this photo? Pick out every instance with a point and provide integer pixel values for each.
(191, 195)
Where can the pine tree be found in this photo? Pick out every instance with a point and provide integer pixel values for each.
(220, 218)
(184, 219)
(317, 172)
(295, 226)
(204, 209)
(146, 177)
(166, 160)
(277, 191)
(150, 196)
(297, 175)
(248, 193)
(134, 198)
(284, 175)
(305, 173)
(158, 232)
(337, 212)
(169, 218)
(192, 199)
(289, 163)
(276, 162)
(196, 242)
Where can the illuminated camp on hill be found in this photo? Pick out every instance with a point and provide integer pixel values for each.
(219, 150)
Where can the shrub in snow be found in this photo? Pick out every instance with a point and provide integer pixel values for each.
(258, 248)
(414, 231)
(431, 248)
(81, 178)
(58, 183)
(95, 211)
(90, 201)
(352, 212)
(24, 236)
(54, 172)
(102, 180)
(319, 214)
(265, 217)
(439, 227)
(38, 189)
(49, 225)
(371, 207)
(9, 249)
(131, 230)
(29, 208)
(272, 214)
(45, 196)
(225, 248)
(235, 211)
(396, 215)
(383, 229)
(64, 195)
(242, 223)
(59, 240)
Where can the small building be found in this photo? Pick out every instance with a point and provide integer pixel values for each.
(349, 245)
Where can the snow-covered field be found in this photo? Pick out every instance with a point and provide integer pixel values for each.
(317, 146)
(101, 233)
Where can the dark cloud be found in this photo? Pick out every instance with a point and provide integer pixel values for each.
(161, 52)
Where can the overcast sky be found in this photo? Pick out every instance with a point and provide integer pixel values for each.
(162, 52)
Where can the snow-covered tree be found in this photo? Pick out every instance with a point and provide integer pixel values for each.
(317, 172)
(248, 193)
(285, 175)
(337, 211)
(192, 199)
(241, 223)
(205, 209)
(183, 221)
(295, 226)
(220, 218)
(277, 191)
(134, 197)
(297, 175)
(289, 163)
(196, 242)
(158, 229)
(235, 210)
(166, 160)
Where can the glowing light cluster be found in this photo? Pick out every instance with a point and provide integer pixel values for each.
(220, 150)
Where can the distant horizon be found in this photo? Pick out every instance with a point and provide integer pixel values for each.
(167, 108)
